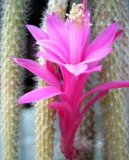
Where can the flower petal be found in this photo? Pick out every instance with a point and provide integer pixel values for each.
(76, 69)
(37, 33)
(54, 70)
(95, 69)
(93, 100)
(106, 86)
(51, 57)
(55, 48)
(64, 111)
(38, 70)
(97, 55)
(57, 30)
(39, 94)
(117, 35)
(78, 39)
(104, 39)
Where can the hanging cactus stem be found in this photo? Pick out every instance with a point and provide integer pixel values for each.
(11, 45)
(45, 116)
(114, 107)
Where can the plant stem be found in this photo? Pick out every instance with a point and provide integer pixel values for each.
(45, 116)
(11, 45)
(115, 67)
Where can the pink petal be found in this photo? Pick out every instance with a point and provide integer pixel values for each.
(70, 82)
(51, 57)
(103, 91)
(37, 33)
(117, 35)
(64, 111)
(97, 55)
(106, 86)
(78, 36)
(75, 41)
(76, 69)
(57, 30)
(95, 69)
(53, 69)
(38, 70)
(39, 94)
(93, 100)
(55, 48)
(104, 39)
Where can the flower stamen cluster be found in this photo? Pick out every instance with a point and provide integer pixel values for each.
(77, 14)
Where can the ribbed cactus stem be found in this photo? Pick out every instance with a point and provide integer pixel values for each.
(44, 129)
(45, 116)
(57, 6)
(115, 67)
(11, 45)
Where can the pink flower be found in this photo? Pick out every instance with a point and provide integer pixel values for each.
(68, 45)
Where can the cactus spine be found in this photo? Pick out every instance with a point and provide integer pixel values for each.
(45, 116)
(11, 45)
(115, 67)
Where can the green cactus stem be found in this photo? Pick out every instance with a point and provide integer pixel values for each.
(116, 67)
(45, 116)
(11, 45)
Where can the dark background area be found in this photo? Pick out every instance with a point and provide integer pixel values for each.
(37, 8)
(35, 15)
